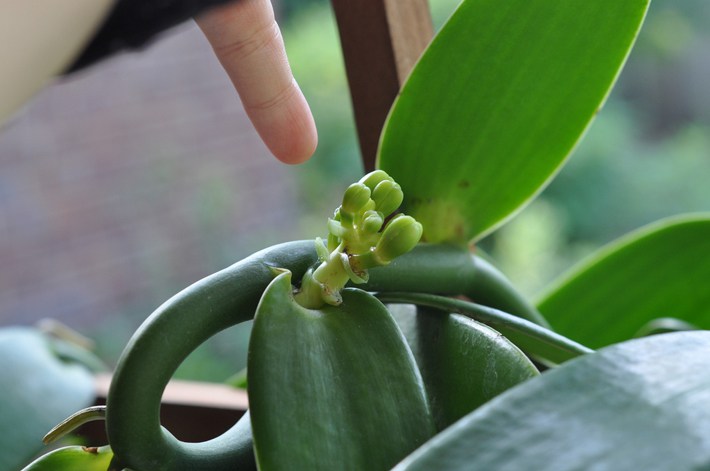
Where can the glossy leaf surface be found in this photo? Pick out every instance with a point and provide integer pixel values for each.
(73, 458)
(660, 271)
(497, 103)
(636, 405)
(464, 363)
(333, 388)
(37, 391)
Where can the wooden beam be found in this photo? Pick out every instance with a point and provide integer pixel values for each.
(381, 40)
(190, 393)
(192, 411)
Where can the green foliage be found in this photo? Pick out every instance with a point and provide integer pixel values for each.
(621, 408)
(464, 364)
(524, 96)
(333, 388)
(74, 458)
(488, 116)
(663, 274)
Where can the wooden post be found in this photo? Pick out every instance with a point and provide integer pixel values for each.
(381, 41)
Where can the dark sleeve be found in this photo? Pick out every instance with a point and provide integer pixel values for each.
(132, 24)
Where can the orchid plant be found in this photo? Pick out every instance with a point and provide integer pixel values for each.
(393, 343)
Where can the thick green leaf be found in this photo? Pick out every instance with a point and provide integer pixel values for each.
(464, 363)
(73, 458)
(639, 405)
(37, 391)
(333, 388)
(660, 271)
(496, 104)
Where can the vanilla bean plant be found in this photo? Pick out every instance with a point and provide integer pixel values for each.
(391, 342)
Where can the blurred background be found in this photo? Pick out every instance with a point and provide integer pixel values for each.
(124, 183)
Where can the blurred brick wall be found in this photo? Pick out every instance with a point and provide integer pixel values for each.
(129, 181)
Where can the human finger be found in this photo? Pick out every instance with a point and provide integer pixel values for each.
(249, 45)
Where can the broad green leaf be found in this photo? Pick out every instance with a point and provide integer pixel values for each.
(640, 405)
(73, 458)
(37, 391)
(464, 363)
(497, 103)
(332, 388)
(660, 271)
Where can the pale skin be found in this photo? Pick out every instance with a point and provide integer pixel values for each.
(248, 43)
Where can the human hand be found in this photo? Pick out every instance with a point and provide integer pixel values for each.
(248, 43)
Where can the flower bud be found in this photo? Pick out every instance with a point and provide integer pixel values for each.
(372, 179)
(372, 222)
(399, 237)
(387, 196)
(355, 198)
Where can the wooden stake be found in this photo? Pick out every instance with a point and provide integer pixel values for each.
(381, 41)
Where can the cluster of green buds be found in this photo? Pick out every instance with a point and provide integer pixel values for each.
(360, 237)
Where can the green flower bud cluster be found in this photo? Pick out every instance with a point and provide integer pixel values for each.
(359, 237)
(359, 219)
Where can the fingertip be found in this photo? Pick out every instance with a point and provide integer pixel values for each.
(249, 45)
(289, 133)
(299, 148)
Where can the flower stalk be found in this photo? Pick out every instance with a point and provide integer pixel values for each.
(359, 238)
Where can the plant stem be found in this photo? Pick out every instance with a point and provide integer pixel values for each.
(453, 270)
(530, 337)
(323, 285)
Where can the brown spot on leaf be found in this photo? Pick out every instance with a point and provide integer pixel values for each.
(460, 231)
